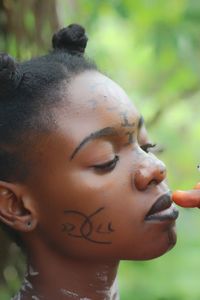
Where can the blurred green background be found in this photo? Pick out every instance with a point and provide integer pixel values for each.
(152, 49)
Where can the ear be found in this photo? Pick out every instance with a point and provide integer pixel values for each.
(16, 207)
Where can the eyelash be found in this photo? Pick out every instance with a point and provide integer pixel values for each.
(108, 166)
(147, 146)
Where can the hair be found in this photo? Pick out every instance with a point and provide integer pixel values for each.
(28, 91)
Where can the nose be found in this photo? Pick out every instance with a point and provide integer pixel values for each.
(150, 171)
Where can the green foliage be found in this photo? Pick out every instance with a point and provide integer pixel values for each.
(151, 48)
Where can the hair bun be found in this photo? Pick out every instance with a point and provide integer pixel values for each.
(71, 39)
(9, 75)
(7, 66)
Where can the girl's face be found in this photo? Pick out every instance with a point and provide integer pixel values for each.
(94, 182)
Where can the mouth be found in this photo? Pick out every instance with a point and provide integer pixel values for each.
(163, 209)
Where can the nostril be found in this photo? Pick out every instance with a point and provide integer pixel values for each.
(163, 171)
(149, 175)
(162, 174)
(153, 181)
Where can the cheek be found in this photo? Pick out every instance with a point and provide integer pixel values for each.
(89, 212)
(96, 191)
(113, 192)
(109, 201)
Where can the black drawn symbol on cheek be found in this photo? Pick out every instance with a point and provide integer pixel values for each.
(86, 228)
(69, 229)
(102, 229)
(99, 229)
(110, 229)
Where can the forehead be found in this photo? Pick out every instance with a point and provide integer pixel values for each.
(93, 83)
(90, 103)
(93, 101)
(91, 92)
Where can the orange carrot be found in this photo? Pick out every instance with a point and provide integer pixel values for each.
(190, 198)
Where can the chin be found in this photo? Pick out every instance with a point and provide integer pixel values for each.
(156, 248)
(164, 245)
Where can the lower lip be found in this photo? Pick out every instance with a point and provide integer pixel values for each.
(169, 214)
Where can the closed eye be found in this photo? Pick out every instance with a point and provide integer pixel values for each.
(107, 166)
(146, 147)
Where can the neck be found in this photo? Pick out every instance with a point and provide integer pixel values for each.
(50, 277)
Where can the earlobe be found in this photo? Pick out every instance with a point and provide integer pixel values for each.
(14, 210)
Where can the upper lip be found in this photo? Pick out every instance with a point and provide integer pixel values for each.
(163, 202)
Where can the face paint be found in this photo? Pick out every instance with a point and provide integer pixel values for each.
(27, 287)
(110, 293)
(69, 294)
(87, 227)
(90, 207)
(85, 202)
(32, 272)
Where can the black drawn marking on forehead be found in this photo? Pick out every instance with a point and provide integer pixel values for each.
(130, 135)
(106, 92)
(93, 103)
(130, 127)
(126, 122)
(93, 86)
(141, 122)
(107, 131)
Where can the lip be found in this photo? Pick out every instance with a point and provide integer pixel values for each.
(163, 209)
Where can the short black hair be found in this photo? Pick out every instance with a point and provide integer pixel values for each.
(28, 91)
(29, 88)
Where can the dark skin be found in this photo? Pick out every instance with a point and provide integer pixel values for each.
(82, 208)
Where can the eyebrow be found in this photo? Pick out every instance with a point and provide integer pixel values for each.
(107, 131)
